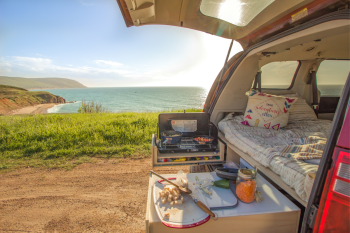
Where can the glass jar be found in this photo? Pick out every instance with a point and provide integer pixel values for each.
(246, 185)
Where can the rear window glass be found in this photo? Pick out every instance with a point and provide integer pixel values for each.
(331, 77)
(278, 75)
(237, 12)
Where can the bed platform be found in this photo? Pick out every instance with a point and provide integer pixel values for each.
(234, 154)
(284, 156)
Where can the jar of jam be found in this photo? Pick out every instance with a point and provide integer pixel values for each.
(246, 185)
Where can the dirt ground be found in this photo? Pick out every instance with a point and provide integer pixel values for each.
(106, 196)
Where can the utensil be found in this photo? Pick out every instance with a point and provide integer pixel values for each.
(182, 189)
(188, 191)
(202, 205)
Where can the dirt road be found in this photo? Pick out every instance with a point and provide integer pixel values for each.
(106, 196)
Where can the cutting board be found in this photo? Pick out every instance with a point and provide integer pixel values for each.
(220, 198)
(186, 215)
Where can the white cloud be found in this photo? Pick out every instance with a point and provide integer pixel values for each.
(108, 63)
(35, 64)
(44, 65)
(4, 63)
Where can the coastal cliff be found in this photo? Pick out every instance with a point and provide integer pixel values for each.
(13, 98)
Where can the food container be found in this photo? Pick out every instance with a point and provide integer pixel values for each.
(171, 137)
(227, 173)
(246, 185)
(203, 139)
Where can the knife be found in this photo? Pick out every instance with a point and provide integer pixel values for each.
(202, 205)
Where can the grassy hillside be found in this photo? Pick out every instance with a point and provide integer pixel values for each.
(12, 98)
(64, 140)
(22, 82)
(40, 83)
(60, 82)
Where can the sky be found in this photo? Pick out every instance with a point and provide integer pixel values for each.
(87, 40)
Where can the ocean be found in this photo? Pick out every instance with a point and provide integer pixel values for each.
(141, 99)
(132, 99)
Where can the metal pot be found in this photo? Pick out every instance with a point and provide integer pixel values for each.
(171, 137)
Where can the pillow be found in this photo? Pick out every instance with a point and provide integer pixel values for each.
(300, 111)
(267, 111)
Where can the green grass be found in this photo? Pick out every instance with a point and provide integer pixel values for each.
(92, 107)
(65, 140)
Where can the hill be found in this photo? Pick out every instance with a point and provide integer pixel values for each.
(40, 83)
(12, 98)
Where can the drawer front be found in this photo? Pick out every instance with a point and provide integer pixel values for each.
(195, 158)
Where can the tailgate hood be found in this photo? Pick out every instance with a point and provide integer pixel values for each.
(246, 21)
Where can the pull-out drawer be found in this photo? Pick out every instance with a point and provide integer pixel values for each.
(275, 214)
(190, 158)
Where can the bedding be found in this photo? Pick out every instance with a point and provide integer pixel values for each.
(300, 111)
(283, 151)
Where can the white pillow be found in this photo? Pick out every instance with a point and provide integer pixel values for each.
(267, 111)
(300, 111)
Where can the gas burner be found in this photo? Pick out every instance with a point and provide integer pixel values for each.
(187, 144)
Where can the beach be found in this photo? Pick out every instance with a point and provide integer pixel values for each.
(37, 109)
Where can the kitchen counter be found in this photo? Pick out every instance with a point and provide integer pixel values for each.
(274, 214)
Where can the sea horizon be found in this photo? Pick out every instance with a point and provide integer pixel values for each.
(145, 98)
(132, 99)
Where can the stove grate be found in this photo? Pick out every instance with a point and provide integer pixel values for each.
(185, 143)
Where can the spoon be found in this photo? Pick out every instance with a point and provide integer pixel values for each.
(182, 189)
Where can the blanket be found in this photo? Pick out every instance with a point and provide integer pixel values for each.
(299, 140)
(283, 151)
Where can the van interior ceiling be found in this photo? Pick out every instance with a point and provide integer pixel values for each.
(326, 41)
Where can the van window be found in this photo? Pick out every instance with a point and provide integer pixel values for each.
(331, 77)
(237, 12)
(278, 75)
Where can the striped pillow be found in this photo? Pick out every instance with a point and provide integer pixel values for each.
(300, 111)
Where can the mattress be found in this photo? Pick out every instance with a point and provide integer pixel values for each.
(284, 151)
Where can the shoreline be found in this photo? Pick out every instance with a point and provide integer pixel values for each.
(37, 109)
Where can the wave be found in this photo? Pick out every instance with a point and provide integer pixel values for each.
(57, 108)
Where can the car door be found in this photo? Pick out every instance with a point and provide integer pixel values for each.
(246, 21)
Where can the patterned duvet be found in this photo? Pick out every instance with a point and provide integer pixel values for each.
(283, 151)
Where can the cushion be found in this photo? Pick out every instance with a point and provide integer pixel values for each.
(267, 111)
(300, 111)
